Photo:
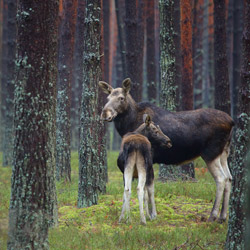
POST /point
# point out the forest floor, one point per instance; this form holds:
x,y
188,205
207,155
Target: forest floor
x,y
182,211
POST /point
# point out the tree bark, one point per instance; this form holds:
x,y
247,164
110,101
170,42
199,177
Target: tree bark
x,y
90,169
77,77
151,62
222,95
33,203
237,213
64,83
132,49
197,52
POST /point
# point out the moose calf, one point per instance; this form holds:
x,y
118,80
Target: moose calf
x,y
135,160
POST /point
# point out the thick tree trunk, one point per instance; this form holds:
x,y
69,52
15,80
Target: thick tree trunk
x,y
132,49
168,92
237,213
90,169
151,62
33,203
222,95
64,83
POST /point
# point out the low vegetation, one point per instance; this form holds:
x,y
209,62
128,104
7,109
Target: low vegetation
x,y
182,207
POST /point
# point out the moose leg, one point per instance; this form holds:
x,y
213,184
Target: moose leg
x,y
152,199
128,174
220,177
141,185
146,202
226,195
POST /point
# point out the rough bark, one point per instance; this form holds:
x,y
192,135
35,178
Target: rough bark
x,y
77,77
151,62
121,34
237,211
90,169
222,95
33,203
64,83
168,92
132,49
197,52
237,31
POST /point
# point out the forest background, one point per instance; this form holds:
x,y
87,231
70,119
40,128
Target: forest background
x,y
181,55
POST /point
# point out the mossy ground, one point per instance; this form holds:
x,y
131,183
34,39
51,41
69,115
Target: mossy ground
x,y
182,210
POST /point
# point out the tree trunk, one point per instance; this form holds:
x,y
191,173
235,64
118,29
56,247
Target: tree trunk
x,y
222,95
237,31
64,82
33,203
197,52
237,214
77,77
8,101
121,34
132,49
151,62
168,92
90,169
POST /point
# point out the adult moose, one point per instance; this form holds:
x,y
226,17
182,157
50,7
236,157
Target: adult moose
x,y
202,132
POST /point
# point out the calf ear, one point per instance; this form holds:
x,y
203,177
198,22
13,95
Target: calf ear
x,y
126,85
146,119
106,88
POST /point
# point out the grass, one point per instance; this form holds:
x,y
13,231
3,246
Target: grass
x,y
182,209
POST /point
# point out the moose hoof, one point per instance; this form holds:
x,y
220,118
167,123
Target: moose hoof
x,y
222,220
153,216
212,218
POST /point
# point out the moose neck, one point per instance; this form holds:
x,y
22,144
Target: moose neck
x,y
127,121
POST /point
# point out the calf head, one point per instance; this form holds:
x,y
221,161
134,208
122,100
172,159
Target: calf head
x,y
117,99
153,132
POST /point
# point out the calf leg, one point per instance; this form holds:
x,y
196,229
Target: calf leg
x,y
128,175
220,177
141,185
146,202
226,195
151,195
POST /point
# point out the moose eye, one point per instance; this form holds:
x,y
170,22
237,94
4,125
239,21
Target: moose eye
x,y
121,98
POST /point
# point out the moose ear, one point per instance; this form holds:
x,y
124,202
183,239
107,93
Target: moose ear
x,y
126,85
147,119
106,88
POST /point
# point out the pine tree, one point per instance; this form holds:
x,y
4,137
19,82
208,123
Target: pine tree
x,y
33,203
64,83
222,95
91,172
237,213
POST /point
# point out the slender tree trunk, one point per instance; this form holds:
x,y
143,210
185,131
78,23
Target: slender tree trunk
x,y
197,52
8,133
237,213
187,71
64,83
132,49
140,44
151,62
4,61
121,34
90,169
78,76
33,203
222,95
205,49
